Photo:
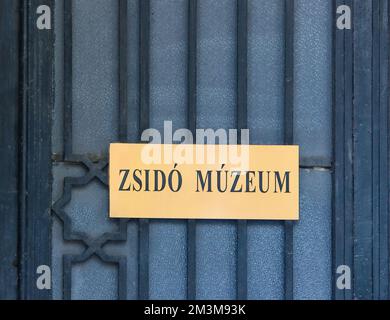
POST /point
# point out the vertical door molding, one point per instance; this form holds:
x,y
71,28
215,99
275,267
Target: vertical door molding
x,y
9,113
35,168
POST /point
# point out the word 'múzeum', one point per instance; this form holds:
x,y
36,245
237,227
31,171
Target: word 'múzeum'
x,y
142,180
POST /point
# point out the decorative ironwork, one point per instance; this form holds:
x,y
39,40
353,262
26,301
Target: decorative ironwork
x,y
96,169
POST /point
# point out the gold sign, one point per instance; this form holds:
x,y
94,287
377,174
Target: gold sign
x,y
204,181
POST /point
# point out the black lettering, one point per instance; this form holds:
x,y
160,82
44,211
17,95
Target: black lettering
x,y
157,186
249,181
261,182
203,181
219,172
137,180
147,180
179,180
237,175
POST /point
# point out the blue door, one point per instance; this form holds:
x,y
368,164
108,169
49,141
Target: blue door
x,y
280,68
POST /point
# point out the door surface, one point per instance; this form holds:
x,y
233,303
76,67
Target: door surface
x,y
109,69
